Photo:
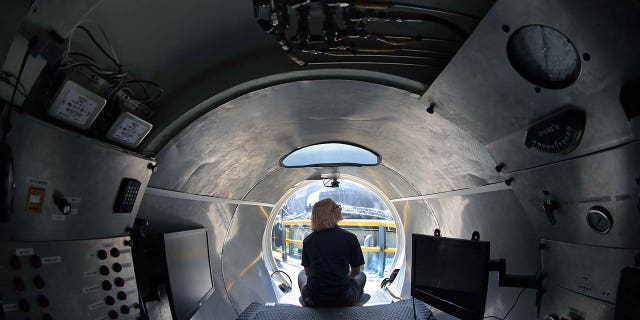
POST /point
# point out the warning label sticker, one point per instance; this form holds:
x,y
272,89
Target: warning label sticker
x,y
129,131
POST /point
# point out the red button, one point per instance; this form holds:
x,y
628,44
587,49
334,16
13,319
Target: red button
x,y
38,282
15,263
102,254
117,267
109,300
24,305
43,301
106,285
115,252
113,314
122,295
104,270
125,309
19,284
119,282
36,262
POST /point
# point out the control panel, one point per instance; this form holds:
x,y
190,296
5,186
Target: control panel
x,y
83,279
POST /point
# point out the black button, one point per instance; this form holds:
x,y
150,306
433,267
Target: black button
x,y
104,270
19,284
15,263
113,314
119,282
38,282
43,301
106,285
117,267
122,295
109,300
24,305
125,309
115,252
36,262
102,254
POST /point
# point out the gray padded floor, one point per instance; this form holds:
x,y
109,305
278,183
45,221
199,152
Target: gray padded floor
x,y
397,310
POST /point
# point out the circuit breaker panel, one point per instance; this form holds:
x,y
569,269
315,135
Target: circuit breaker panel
x,y
83,279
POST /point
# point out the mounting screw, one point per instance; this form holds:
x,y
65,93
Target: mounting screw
x,y
499,167
152,166
508,182
432,107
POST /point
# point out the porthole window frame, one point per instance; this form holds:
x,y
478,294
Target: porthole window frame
x,y
337,164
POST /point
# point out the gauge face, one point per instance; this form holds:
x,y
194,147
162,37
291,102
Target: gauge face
x,y
599,219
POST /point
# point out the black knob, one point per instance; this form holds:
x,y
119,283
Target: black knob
x,y
24,305
19,284
106,285
117,267
102,254
125,309
115,252
15,263
38,282
119,282
62,203
36,262
113,314
43,301
109,300
104,270
122,295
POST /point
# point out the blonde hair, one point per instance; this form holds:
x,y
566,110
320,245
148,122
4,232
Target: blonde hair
x,y
322,216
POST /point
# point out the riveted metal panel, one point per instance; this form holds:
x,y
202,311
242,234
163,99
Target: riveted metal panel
x,y
88,173
606,179
484,95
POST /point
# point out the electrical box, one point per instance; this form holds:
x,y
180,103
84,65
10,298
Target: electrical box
x,y
129,130
76,105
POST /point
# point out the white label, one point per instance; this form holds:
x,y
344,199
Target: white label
x,y
130,131
50,260
9,307
126,265
76,107
88,274
37,182
96,305
24,252
73,212
74,200
91,289
102,318
107,245
58,217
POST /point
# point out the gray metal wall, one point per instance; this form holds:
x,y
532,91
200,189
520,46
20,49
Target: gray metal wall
x,y
481,93
90,172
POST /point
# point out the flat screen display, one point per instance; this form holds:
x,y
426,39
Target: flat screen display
x,y
450,274
189,271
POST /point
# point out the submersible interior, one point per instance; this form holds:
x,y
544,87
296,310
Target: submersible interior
x,y
129,127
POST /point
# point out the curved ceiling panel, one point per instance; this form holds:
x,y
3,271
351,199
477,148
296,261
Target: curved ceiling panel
x,y
233,147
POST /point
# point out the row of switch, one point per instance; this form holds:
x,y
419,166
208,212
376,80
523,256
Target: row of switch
x,y
106,285
16,263
104,270
20,284
24,305
102,254
113,314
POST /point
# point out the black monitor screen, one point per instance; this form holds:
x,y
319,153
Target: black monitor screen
x,y
189,272
450,274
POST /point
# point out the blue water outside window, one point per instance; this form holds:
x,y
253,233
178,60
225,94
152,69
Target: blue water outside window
x,y
330,154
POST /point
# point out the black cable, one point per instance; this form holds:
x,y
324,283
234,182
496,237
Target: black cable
x,y
413,301
511,309
99,46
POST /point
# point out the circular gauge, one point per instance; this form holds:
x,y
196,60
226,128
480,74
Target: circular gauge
x,y
599,219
